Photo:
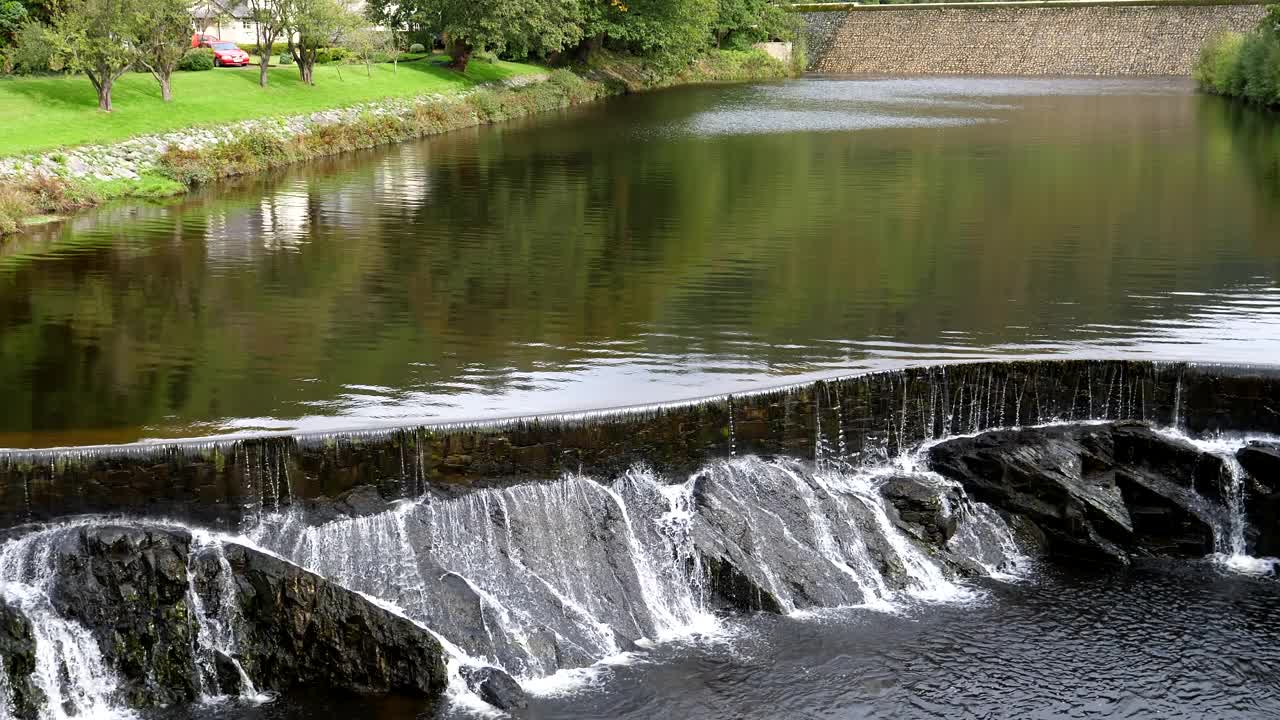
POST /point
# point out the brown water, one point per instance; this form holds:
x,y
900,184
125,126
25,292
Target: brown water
x,y
658,248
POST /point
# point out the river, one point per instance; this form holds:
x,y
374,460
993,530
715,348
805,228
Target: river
x,y
657,248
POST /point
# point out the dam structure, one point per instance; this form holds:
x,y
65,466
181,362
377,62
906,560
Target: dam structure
x,y
1064,37
860,420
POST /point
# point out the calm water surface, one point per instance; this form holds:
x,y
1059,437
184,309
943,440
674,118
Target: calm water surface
x,y
658,248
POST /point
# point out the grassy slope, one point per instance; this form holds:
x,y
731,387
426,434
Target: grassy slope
x,y
49,112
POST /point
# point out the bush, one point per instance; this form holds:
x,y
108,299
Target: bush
x,y
34,51
196,60
332,55
417,49
1245,66
286,59
279,48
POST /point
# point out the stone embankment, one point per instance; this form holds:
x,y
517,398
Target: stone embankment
x,y
1057,38
136,156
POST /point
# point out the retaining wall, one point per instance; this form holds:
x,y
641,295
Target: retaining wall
x,y
1052,38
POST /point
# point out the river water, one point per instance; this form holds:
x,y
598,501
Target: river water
x,y
1158,641
664,247
657,248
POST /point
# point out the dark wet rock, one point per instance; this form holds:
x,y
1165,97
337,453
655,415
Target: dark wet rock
x,y
360,501
128,586
18,659
1094,491
922,508
227,673
458,607
299,630
1261,462
735,590
1148,454
496,688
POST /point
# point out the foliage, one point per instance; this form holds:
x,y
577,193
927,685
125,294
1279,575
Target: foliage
x,y
35,50
369,44
159,37
95,37
741,23
13,15
196,59
333,54
314,26
40,195
669,34
1245,66
417,48
271,20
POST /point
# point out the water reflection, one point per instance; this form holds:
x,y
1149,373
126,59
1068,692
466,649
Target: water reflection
x,y
658,248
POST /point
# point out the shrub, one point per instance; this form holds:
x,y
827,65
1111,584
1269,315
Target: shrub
x,y
1245,66
279,48
417,49
196,59
15,206
40,195
286,59
34,51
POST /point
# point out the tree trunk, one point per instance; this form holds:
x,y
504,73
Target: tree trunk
x,y
166,86
104,92
588,46
460,54
263,62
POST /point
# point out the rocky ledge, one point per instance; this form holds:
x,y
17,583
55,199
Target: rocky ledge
x,y
174,619
1120,491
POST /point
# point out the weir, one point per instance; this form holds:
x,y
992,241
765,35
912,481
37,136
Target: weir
x,y
1062,37
542,549
858,420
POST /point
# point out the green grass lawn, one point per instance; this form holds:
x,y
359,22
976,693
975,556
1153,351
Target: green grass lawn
x,y
42,113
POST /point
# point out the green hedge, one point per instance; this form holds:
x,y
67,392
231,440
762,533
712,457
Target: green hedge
x,y
196,59
1244,65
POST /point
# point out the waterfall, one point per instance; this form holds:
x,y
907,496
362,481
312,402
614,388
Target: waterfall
x,y
1231,547
70,669
541,578
217,635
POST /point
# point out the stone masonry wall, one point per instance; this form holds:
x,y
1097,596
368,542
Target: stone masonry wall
x,y
1086,40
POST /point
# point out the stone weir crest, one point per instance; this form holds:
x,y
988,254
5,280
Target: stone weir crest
x,y
1058,37
860,420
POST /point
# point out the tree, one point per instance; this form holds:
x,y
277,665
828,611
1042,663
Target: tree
x,y
312,25
95,37
671,32
366,42
516,26
271,18
13,15
740,23
160,37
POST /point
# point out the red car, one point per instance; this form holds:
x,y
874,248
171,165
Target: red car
x,y
227,54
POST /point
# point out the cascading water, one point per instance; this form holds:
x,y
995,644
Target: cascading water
x,y
70,670
216,632
539,578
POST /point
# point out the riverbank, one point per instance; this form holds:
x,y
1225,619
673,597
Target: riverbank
x,y
1244,66
55,183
